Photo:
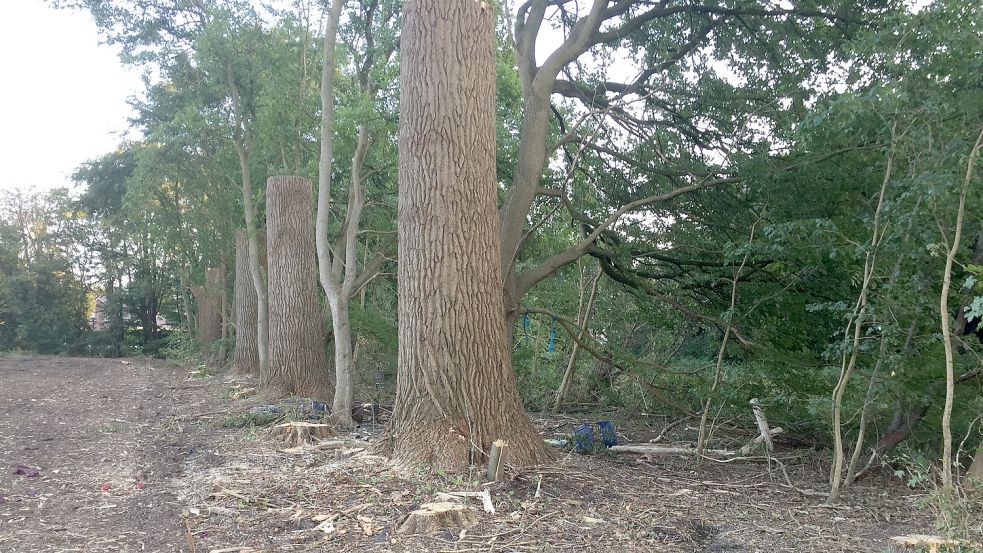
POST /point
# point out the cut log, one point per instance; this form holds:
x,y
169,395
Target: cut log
x,y
434,516
299,433
655,449
757,440
929,544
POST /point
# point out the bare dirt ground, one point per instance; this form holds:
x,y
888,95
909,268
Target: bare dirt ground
x,y
137,455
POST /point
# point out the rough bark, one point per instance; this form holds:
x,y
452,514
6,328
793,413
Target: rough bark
x,y
214,292
209,298
297,361
456,392
245,355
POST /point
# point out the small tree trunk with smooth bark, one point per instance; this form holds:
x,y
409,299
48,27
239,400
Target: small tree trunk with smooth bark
x,y
950,382
297,361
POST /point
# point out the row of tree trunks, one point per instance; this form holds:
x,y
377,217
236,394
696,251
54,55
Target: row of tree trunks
x,y
455,384
297,361
245,355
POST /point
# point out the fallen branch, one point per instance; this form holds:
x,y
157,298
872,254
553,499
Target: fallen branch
x,y
758,439
654,449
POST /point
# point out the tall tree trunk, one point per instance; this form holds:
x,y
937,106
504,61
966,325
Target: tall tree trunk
x,y
851,351
210,314
330,264
242,140
583,321
950,381
189,321
456,391
297,362
851,470
245,355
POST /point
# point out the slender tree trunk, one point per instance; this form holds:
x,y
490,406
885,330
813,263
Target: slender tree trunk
x,y
456,391
298,364
189,321
561,392
909,338
950,384
857,322
329,263
718,367
851,470
242,143
245,356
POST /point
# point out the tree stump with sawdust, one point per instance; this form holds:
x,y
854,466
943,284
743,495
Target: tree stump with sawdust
x,y
298,433
434,516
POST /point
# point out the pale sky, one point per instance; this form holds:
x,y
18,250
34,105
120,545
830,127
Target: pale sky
x,y
63,98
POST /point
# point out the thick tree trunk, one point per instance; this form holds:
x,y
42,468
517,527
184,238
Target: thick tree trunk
x,y
245,356
297,361
214,291
209,314
456,392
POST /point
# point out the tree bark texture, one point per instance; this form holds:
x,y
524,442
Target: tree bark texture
x,y
298,364
456,393
209,298
245,356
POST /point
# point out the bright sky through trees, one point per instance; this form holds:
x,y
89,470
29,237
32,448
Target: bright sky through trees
x,y
64,95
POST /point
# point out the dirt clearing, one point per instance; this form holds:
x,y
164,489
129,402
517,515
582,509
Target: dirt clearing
x,y
136,455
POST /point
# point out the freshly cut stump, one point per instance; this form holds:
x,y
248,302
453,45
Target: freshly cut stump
x,y
299,433
434,516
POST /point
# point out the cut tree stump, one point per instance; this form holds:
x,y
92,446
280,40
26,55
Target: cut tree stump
x,y
929,544
496,460
434,516
300,433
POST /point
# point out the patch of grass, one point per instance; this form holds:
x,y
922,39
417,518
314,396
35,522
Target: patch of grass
x,y
958,516
248,420
240,391
202,371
